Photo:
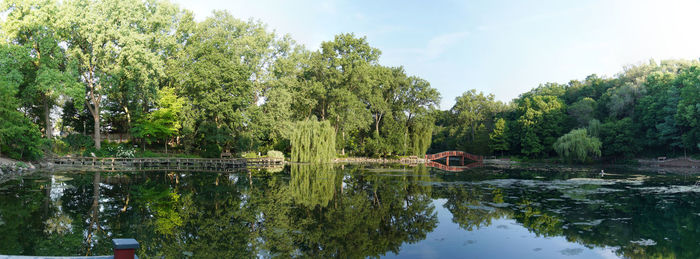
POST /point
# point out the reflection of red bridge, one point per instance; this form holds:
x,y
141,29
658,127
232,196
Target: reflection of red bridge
x,y
453,168
447,154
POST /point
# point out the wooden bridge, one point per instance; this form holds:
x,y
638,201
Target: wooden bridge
x,y
166,163
430,161
447,154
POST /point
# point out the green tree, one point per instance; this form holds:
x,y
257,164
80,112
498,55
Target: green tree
x,y
583,111
618,138
213,74
540,120
688,111
49,74
108,38
19,137
313,141
163,123
498,139
578,145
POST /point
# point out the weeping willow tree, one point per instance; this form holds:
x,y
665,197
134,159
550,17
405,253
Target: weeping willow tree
x,y
313,184
577,145
313,141
420,139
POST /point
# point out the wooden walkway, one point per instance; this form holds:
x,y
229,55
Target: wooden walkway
x,y
165,163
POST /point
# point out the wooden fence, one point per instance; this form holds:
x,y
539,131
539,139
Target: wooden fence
x,y
165,163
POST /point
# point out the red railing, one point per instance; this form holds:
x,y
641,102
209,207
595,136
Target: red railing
x,y
461,154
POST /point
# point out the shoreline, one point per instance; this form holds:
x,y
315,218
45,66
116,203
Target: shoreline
x,y
11,167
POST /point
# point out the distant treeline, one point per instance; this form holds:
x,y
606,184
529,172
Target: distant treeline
x,y
149,69
646,110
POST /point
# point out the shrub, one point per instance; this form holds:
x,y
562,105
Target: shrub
x,y
111,150
275,154
211,150
60,147
79,141
250,154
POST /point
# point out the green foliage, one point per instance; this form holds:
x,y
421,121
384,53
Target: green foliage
x,y
594,128
313,185
541,119
19,137
313,141
275,154
498,139
78,141
111,150
583,111
151,70
211,150
618,138
250,155
577,145
468,124
421,138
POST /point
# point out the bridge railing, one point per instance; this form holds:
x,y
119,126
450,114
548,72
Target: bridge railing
x,y
454,154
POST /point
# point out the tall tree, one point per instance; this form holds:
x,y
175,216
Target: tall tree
x,y
213,74
19,137
498,140
49,75
108,38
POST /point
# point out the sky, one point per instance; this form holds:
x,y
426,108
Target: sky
x,y
501,47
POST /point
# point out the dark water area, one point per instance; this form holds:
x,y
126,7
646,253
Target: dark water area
x,y
355,211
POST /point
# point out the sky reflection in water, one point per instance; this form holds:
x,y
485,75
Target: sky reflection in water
x,y
355,211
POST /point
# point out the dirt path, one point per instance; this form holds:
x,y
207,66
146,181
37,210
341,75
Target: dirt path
x,y
673,162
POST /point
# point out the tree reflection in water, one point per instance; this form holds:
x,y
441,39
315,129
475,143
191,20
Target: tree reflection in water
x,y
331,211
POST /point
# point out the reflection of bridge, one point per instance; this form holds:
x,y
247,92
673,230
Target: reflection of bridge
x,y
453,168
447,154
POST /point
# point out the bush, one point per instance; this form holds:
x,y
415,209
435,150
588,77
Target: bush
x,y
249,154
111,150
60,147
79,141
211,150
122,151
275,154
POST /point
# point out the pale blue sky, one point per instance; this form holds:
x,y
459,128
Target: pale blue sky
x,y
500,47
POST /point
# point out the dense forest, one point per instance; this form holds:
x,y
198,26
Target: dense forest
x,y
74,72
646,110
148,69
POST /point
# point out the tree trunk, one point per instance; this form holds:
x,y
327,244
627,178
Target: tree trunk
x,y
96,118
376,125
47,117
343,149
128,117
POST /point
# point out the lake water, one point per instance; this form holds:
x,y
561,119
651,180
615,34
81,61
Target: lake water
x,y
356,211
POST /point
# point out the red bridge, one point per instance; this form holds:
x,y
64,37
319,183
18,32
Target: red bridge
x,y
447,154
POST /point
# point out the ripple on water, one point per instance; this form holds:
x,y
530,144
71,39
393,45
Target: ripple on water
x,y
590,223
670,189
644,242
571,251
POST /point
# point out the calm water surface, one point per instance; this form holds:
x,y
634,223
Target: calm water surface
x,y
355,211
